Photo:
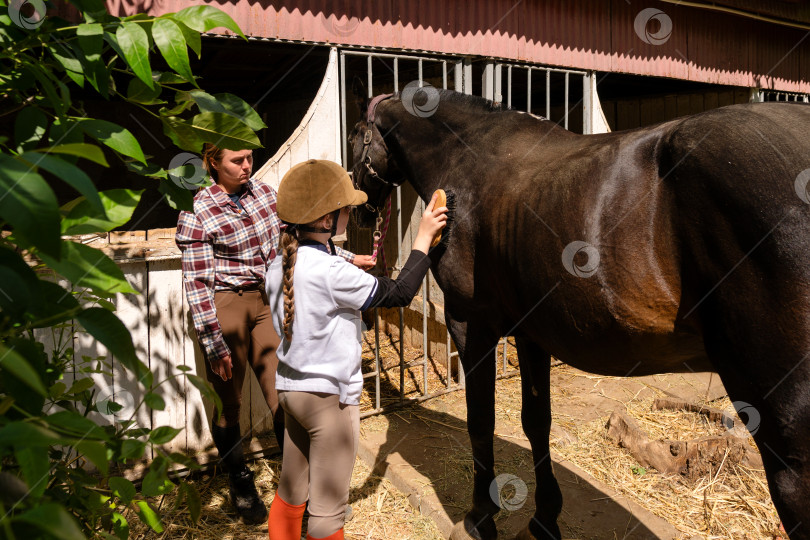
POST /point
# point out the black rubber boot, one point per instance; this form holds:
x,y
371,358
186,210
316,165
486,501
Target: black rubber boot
x,y
244,497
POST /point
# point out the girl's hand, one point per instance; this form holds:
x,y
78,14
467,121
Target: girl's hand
x,y
433,221
364,262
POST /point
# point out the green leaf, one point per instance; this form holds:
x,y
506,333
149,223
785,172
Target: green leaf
x,y
83,150
225,131
67,172
85,266
56,305
116,137
80,385
640,471
118,206
65,55
138,92
148,516
46,84
108,329
193,38
204,18
163,434
167,77
6,404
14,294
88,53
154,401
73,424
29,128
132,449
153,171
182,134
35,466
172,44
156,483
134,43
192,501
53,519
57,390
177,197
241,109
96,452
17,365
11,434
63,132
122,488
29,205
120,526
228,104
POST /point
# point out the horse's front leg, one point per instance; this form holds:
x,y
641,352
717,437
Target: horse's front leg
x,y
536,419
475,344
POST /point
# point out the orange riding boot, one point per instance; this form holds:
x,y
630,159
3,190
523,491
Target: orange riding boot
x,y
285,520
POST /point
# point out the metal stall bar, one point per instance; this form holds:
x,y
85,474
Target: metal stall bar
x,y
529,90
509,86
548,94
566,101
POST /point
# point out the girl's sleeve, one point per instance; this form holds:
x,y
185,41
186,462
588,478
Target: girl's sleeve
x,y
349,286
400,291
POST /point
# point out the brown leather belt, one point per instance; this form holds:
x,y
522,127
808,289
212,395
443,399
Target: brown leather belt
x,y
247,288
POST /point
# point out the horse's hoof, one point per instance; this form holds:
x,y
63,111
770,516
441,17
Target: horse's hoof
x,y
459,532
525,534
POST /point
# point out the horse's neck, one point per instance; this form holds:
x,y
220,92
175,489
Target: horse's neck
x,y
426,145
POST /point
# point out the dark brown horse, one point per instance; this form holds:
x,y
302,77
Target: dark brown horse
x,y
683,246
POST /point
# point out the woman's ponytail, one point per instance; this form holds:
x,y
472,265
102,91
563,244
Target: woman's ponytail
x,y
289,251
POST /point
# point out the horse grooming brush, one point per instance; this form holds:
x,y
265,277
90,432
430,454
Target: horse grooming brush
x,y
448,199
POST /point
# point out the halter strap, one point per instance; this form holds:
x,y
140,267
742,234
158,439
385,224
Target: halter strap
x,y
371,116
371,111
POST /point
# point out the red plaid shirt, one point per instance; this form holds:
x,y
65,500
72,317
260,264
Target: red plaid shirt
x,y
224,248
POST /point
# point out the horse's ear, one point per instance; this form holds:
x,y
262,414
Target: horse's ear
x,y
360,94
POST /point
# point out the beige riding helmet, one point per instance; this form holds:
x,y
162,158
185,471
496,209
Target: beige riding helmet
x,y
313,189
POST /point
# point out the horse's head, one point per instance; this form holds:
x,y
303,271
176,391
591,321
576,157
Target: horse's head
x,y
375,172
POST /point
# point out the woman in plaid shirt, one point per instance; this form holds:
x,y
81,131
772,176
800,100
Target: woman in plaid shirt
x,y
226,244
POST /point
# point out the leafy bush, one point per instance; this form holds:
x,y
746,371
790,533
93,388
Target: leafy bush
x,y
58,465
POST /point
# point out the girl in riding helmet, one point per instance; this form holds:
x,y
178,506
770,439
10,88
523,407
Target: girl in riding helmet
x,y
316,300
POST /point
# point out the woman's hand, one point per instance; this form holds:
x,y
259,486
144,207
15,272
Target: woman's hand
x,y
222,367
433,221
364,262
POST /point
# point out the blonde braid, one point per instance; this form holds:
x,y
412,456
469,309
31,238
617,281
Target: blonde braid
x,y
289,250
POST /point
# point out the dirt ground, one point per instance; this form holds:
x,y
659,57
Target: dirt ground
x,y
607,494
413,477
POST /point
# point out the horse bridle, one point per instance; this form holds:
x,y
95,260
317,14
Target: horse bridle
x,y
371,116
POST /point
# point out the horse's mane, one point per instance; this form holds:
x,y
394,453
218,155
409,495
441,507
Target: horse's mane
x,y
474,103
